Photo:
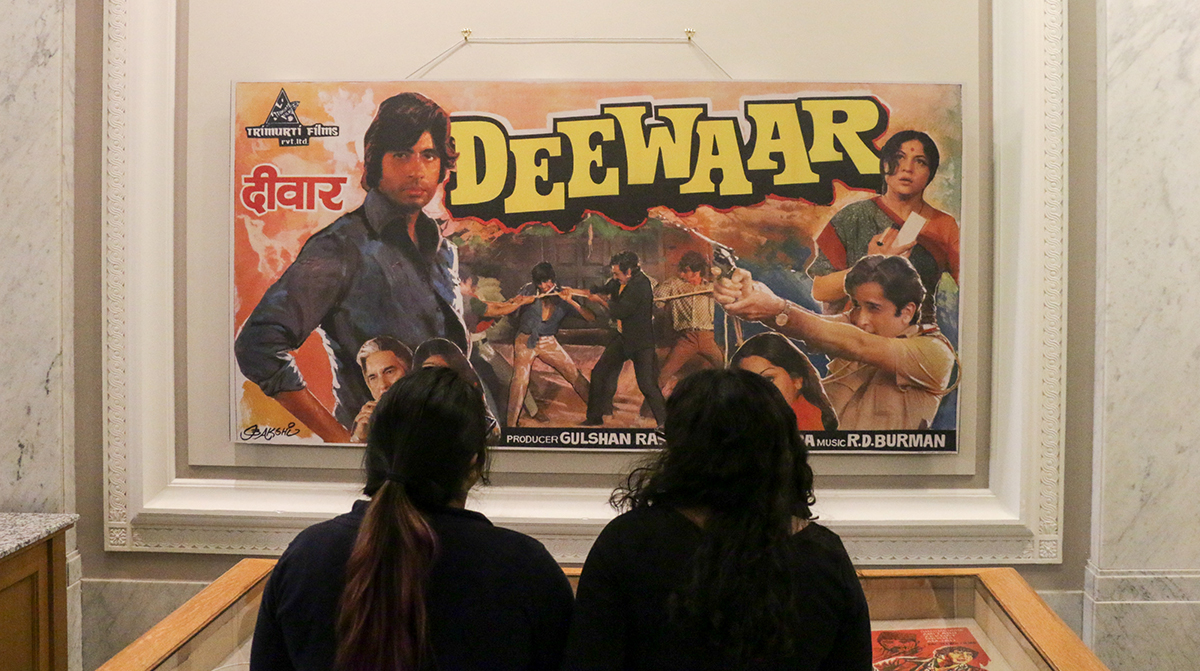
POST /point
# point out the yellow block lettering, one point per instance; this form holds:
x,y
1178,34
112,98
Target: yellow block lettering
x,y
532,168
670,142
470,188
719,148
777,130
861,115
579,134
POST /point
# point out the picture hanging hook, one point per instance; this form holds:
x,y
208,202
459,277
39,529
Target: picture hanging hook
x,y
466,33
690,33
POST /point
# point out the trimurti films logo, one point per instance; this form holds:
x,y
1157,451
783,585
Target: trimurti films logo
x,y
283,125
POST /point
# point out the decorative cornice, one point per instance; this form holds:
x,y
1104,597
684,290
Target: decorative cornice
x,y
212,540
884,551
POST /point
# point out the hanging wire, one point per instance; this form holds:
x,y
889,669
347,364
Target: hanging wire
x,y
689,34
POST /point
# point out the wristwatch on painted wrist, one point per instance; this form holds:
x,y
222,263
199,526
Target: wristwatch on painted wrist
x,y
781,319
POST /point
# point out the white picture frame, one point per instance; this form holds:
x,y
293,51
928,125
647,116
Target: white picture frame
x,y
1016,518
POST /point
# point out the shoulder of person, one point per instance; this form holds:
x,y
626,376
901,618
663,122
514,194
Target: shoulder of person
x,y
352,224
345,524
941,225
316,547
930,339
867,207
520,553
822,537
645,524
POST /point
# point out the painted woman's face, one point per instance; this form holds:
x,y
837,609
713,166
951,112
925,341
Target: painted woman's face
x,y
790,388
911,175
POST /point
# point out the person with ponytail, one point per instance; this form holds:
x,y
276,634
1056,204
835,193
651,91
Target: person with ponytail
x,y
717,563
410,580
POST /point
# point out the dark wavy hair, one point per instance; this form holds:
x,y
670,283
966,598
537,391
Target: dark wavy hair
x,y
426,443
781,352
889,156
399,123
451,353
897,277
733,451
695,262
626,261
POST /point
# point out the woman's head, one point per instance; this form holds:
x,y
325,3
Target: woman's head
x,y
428,433
441,353
775,358
909,161
732,447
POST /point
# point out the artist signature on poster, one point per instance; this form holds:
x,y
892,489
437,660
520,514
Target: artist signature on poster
x,y
254,432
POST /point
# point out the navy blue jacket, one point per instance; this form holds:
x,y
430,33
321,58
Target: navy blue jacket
x,y
496,599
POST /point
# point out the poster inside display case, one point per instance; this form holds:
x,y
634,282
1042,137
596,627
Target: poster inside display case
x,y
558,243
986,619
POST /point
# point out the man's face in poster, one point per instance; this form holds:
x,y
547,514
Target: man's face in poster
x,y
692,277
409,178
621,275
874,313
545,286
960,657
381,370
895,646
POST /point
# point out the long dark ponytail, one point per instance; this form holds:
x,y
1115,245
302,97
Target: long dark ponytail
x,y
734,452
427,436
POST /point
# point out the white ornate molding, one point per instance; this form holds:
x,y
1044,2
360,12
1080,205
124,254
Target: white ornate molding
x,y
116,401
1054,276
1015,519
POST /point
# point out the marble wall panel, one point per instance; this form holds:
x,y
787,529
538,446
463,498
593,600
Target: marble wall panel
x,y
1142,590
1140,636
32,476
1148,352
117,612
74,612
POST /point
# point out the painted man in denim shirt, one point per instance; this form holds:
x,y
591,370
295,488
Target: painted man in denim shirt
x,y
383,269
537,326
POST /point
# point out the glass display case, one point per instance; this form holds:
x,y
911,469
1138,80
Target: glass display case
x,y
971,619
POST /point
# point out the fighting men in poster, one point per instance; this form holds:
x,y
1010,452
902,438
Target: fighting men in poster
x,y
631,306
618,212
688,300
889,370
538,325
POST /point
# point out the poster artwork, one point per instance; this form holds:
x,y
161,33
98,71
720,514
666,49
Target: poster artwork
x,y
558,243
930,649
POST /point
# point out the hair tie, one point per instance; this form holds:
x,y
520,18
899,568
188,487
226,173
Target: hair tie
x,y
395,477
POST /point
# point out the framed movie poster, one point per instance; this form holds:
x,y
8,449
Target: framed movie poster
x,y
558,243
232,147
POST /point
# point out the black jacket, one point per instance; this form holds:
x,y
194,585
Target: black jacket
x,y
496,599
635,308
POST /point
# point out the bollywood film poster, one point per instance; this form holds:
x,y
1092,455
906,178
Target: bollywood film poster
x,y
930,649
558,244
